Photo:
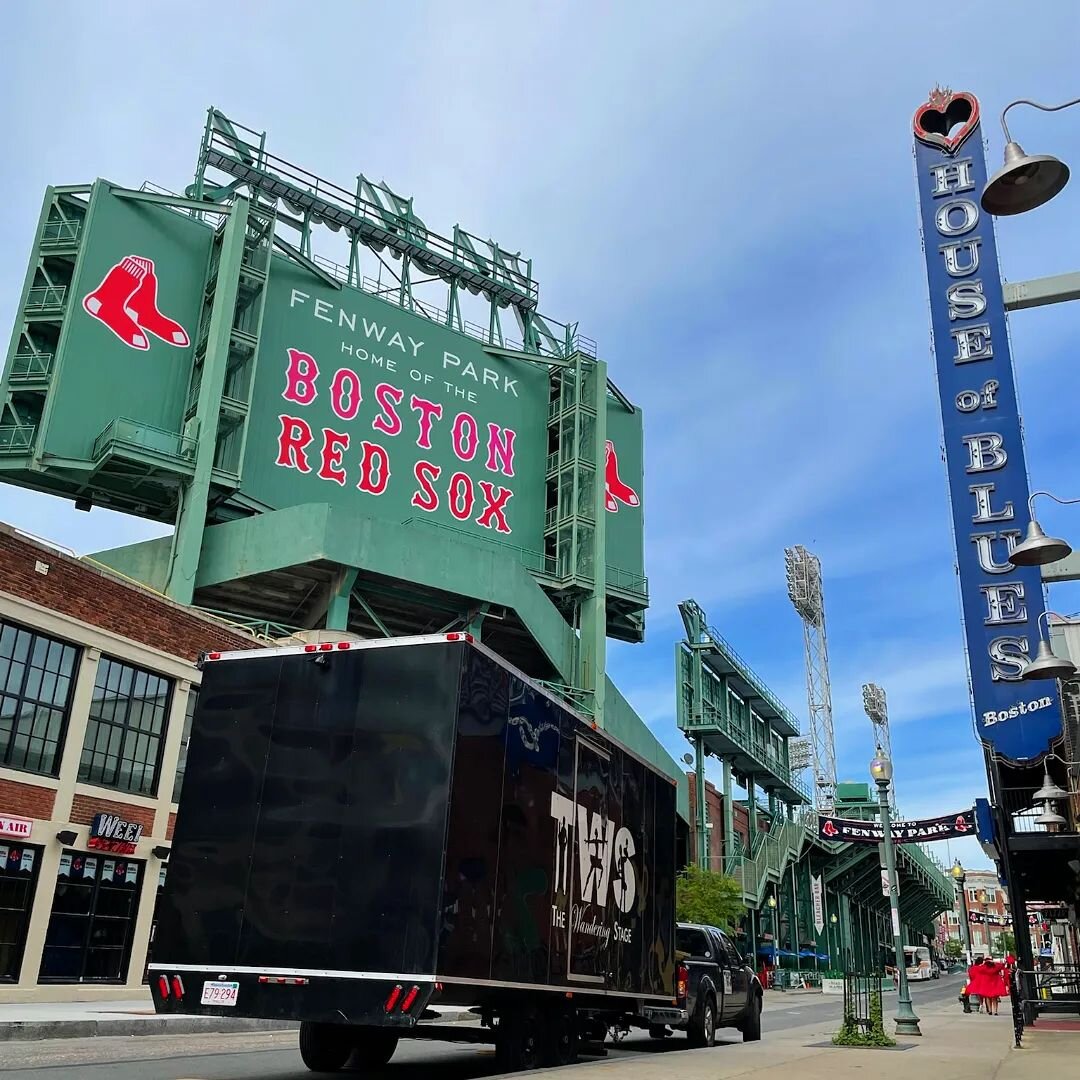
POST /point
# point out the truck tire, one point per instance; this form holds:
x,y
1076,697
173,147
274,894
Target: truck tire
x,y
751,1024
519,1040
373,1047
561,1043
701,1031
325,1047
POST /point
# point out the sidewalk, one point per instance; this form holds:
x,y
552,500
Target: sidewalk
x,y
85,1019
953,1047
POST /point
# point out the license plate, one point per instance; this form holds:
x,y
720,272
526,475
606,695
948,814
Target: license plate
x,y
219,993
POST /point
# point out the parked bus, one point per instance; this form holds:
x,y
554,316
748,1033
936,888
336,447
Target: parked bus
x,y
918,962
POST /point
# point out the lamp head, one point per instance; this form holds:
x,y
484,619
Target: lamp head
x,y
1023,182
1049,791
881,768
833,919
1049,817
1048,666
772,901
958,872
1038,549
688,759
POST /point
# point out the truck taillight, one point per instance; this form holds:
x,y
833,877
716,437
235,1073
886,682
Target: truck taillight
x,y
282,980
392,999
177,988
460,637
311,648
163,987
410,999
213,656
682,982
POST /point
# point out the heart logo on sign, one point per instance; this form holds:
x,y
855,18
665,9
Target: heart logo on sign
x,y
946,119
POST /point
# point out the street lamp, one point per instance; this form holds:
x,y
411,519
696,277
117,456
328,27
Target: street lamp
x,y
1038,549
834,950
1046,665
960,877
907,1023
1024,181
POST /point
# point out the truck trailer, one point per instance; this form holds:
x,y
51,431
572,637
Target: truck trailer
x,y
371,830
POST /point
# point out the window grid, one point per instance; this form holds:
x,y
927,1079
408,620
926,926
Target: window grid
x,y
185,738
37,676
124,735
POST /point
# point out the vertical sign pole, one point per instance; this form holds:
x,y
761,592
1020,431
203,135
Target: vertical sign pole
x,y
702,828
194,496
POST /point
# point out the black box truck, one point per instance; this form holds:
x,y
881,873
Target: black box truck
x,y
371,829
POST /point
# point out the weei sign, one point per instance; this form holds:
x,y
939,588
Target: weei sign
x,y
984,451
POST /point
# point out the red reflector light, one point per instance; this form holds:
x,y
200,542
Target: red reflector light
x,y
392,1000
410,997
326,646
460,637
342,644
438,988
311,648
682,981
282,980
177,988
213,656
163,987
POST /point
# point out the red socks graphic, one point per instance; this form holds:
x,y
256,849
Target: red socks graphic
x,y
615,491
126,302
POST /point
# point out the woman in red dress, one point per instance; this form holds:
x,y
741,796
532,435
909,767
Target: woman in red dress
x,y
988,984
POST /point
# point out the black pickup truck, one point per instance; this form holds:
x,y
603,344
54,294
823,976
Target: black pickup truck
x,y
715,988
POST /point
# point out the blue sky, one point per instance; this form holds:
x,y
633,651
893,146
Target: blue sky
x,y
723,195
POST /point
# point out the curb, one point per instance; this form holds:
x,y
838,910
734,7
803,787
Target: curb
x,y
37,1030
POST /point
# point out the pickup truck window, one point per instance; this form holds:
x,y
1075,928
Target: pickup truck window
x,y
693,942
732,954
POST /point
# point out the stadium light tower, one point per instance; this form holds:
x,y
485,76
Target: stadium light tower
x,y
803,570
877,709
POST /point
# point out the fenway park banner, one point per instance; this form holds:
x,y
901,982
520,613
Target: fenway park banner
x,y
854,831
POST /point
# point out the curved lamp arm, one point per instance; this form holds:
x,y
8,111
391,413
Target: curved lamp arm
x,y
1049,495
1034,105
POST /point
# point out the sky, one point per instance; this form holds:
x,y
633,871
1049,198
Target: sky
x,y
723,196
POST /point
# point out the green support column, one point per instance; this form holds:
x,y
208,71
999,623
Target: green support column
x,y
191,513
592,648
476,621
702,829
729,814
751,811
337,611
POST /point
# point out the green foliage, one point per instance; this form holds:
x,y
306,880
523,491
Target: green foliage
x,y
953,949
1003,943
852,1033
704,896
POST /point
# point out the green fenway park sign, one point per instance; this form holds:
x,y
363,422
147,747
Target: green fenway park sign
x,y
358,402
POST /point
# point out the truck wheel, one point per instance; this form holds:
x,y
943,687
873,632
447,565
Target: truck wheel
x,y
751,1025
702,1029
562,1038
374,1047
325,1047
519,1040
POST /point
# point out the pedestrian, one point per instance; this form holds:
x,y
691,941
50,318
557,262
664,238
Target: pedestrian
x,y
988,984
970,991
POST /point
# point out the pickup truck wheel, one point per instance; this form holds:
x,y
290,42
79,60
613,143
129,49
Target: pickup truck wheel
x,y
519,1040
702,1029
373,1047
751,1025
325,1047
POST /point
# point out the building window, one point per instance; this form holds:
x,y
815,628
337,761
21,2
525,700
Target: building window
x,y
128,714
18,871
185,738
92,920
36,678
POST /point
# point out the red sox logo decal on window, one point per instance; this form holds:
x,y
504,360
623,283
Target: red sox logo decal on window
x,y
615,491
126,302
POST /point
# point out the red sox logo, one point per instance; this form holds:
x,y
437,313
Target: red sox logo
x,y
126,302
615,491
934,122
829,829
961,823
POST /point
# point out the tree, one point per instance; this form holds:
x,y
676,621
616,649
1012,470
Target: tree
x,y
1004,943
704,896
953,949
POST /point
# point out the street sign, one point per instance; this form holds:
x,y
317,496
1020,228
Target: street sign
x,y
885,883
817,892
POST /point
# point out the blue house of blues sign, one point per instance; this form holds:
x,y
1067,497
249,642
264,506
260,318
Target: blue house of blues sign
x,y
983,450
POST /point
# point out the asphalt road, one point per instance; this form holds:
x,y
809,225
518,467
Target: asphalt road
x,y
273,1056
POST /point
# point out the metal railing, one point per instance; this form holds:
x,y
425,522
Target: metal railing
x,y
46,298
145,438
27,367
60,233
16,438
262,629
1055,988
1020,806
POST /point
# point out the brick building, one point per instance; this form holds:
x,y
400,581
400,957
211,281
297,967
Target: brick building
x,y
97,679
988,914
714,813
